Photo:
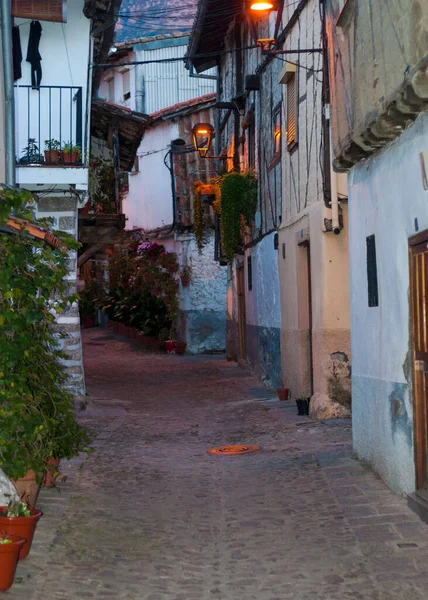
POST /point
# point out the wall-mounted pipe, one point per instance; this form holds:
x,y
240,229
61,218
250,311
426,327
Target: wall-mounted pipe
x,y
9,109
335,223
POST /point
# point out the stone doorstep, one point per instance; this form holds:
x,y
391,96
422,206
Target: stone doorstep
x,y
419,506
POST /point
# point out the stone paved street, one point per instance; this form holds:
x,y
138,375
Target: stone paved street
x,y
150,516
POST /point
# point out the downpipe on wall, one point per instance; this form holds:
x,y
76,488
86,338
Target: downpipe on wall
x,y
9,112
334,198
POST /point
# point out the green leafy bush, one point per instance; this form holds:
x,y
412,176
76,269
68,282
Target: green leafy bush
x,y
36,416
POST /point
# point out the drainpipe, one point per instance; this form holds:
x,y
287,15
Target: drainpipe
x,y
333,184
9,110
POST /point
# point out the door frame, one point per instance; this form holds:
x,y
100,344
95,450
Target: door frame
x,y
419,396
242,312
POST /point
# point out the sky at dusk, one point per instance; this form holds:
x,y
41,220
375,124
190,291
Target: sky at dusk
x,y
154,17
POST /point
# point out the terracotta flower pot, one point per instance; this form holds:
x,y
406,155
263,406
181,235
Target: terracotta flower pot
x,y
283,393
51,473
180,348
70,157
185,280
52,157
22,526
170,346
28,489
9,554
88,322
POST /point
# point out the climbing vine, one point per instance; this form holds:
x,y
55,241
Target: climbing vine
x,y
198,216
236,204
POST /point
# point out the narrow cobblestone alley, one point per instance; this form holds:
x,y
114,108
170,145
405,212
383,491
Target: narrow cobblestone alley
x,y
150,516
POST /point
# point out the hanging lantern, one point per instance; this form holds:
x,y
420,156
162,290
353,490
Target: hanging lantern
x,y
262,6
202,137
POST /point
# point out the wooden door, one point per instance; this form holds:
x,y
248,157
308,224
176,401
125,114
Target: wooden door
x,y
419,323
242,317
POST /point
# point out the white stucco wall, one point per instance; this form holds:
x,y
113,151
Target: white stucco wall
x,y
148,204
387,199
65,49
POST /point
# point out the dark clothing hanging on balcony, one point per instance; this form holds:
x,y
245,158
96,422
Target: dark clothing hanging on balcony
x,y
16,53
33,54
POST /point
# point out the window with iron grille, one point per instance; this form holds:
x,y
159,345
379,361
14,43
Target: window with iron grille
x,y
372,281
292,111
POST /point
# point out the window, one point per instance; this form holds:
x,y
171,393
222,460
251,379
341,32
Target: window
x,y
277,131
249,274
292,111
126,84
372,282
111,90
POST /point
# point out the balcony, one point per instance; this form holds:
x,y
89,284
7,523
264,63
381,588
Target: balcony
x,y
49,135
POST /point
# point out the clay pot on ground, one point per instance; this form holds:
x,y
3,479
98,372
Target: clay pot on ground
x,y
52,157
283,393
28,489
9,554
22,526
170,346
89,321
51,474
185,280
180,347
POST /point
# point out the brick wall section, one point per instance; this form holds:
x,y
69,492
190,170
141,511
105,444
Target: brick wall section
x,y
63,209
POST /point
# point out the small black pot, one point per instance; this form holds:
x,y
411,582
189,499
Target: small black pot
x,y
302,407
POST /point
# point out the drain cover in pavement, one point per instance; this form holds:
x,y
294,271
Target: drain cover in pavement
x,y
225,450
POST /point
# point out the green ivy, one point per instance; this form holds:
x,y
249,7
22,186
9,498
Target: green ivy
x,y
238,204
36,415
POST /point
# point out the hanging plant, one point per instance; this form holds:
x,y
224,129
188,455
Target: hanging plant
x,y
236,206
198,215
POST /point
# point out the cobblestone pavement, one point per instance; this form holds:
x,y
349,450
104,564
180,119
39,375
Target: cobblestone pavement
x,y
150,516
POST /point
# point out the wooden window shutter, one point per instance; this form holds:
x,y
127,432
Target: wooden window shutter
x,y
292,111
40,10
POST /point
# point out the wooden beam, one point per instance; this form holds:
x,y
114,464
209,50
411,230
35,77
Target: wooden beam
x,y
89,253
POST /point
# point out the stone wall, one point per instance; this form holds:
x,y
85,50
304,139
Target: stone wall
x,y
63,209
203,303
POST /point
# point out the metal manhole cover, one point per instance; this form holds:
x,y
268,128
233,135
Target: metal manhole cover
x,y
227,450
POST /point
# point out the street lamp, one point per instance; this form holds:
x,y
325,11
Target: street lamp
x,y
259,9
203,134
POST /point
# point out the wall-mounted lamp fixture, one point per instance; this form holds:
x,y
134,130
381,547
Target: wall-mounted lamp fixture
x,y
260,9
203,134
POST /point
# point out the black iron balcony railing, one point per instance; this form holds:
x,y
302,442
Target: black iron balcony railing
x,y
49,125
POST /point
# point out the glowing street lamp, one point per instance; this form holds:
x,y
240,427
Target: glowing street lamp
x,y
262,6
202,137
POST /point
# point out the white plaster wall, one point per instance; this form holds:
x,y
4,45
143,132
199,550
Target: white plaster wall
x,y
65,50
116,75
263,302
386,197
148,204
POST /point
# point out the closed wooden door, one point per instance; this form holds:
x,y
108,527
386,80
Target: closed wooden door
x,y
419,316
242,317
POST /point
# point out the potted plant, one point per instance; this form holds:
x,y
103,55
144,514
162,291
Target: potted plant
x,y
186,275
52,151
180,347
10,546
283,393
170,346
37,411
303,405
18,518
71,153
31,154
